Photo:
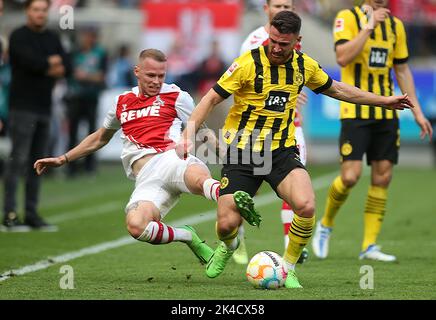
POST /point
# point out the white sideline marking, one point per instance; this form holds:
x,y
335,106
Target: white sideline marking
x,y
318,183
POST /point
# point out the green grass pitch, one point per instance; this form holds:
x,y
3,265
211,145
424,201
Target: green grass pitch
x,y
89,213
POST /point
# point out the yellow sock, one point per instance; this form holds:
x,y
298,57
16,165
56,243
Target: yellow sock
x,y
336,197
374,213
228,239
299,235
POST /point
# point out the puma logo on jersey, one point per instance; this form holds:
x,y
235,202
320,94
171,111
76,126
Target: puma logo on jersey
x,y
152,111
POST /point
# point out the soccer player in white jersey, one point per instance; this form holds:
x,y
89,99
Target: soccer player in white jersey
x,y
151,116
259,37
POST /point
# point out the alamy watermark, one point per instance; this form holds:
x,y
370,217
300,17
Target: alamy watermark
x,y
240,147
66,19
367,279
67,280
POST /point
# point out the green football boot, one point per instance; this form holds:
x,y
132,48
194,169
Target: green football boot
x,y
245,205
292,280
198,246
219,259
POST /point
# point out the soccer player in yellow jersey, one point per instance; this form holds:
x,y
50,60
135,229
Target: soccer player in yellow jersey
x,y
255,39
369,43
259,133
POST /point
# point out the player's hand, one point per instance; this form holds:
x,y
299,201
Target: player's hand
x,y
398,102
41,165
375,16
183,147
301,100
425,125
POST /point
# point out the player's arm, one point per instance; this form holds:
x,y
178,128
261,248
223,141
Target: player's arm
x,y
198,116
347,51
405,81
90,144
345,92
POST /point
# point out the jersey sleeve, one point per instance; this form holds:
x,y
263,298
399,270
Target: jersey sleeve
x,y
111,121
318,80
184,106
401,53
234,78
344,28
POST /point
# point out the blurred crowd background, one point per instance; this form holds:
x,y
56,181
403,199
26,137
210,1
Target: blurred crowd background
x,y
201,38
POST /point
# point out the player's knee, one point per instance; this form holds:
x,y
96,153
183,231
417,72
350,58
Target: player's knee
x,y
305,208
135,230
350,179
227,226
136,226
382,180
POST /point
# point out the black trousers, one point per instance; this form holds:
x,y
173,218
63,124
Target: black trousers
x,y
81,109
29,133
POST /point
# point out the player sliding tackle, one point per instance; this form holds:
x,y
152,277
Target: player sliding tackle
x,y
151,116
266,82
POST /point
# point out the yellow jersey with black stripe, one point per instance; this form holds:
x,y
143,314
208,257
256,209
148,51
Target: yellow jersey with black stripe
x,y
265,97
371,70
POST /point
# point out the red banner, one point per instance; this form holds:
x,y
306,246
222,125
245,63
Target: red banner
x,y
168,14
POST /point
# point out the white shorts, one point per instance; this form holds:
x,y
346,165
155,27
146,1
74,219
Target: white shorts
x,y
161,180
301,144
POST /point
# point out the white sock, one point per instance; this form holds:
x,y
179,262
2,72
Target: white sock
x,y
241,232
289,266
211,188
234,244
183,235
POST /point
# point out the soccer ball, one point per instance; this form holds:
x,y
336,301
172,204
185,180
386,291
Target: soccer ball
x,y
266,270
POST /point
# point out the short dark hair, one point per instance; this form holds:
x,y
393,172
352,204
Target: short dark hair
x,y
154,54
287,22
28,3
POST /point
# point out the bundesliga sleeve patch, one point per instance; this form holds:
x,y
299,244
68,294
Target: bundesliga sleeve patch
x,y
232,68
339,25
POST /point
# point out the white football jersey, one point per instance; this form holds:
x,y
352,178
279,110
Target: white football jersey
x,y
149,124
254,40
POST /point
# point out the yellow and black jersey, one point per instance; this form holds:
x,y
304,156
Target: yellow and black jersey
x,y
371,70
265,97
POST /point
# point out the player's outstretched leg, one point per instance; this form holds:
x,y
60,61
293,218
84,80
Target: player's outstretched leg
x,y
219,260
245,205
198,246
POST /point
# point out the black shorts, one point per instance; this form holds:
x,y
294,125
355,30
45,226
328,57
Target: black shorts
x,y
249,176
379,139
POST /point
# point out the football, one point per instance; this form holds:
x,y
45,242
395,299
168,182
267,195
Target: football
x,y
266,270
